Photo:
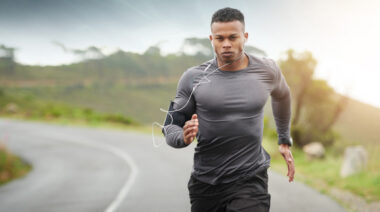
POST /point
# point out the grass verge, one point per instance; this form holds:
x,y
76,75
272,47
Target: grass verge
x,y
11,166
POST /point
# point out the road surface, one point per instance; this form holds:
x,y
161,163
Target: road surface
x,y
83,169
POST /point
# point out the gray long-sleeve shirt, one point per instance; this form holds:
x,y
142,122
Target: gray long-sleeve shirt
x,y
229,105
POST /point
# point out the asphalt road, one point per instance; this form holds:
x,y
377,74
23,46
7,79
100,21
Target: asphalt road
x,y
83,169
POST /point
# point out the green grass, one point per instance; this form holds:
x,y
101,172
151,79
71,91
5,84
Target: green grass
x,y
84,123
11,166
28,107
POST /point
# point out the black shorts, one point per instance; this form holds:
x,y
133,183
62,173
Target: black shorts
x,y
243,195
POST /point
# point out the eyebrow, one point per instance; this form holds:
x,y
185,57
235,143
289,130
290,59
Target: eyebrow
x,y
235,34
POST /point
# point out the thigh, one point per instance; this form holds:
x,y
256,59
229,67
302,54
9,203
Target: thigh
x,y
205,197
251,195
207,205
249,204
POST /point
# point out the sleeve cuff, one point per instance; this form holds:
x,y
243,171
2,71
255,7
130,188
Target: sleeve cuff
x,y
288,141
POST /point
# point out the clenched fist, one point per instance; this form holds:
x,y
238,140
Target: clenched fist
x,y
190,129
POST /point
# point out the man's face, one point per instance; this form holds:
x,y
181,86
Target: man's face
x,y
228,40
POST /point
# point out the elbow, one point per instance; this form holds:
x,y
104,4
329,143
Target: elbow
x,y
177,143
175,139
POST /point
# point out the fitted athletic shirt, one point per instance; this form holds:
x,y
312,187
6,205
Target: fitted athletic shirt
x,y
230,109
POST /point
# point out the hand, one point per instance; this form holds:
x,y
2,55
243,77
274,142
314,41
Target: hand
x,y
287,154
190,129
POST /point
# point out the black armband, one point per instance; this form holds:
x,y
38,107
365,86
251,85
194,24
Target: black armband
x,y
177,117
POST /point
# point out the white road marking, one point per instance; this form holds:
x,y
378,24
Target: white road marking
x,y
124,156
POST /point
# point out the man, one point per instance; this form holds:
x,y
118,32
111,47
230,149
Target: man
x,y
220,102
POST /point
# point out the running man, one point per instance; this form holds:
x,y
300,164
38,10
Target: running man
x,y
221,103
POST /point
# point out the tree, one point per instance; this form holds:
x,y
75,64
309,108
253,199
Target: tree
x,y
316,105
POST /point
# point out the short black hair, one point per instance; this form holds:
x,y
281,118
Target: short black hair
x,y
228,14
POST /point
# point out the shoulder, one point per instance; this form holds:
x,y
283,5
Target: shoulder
x,y
268,64
265,61
192,75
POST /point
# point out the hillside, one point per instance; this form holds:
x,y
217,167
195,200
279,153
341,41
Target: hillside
x,y
138,85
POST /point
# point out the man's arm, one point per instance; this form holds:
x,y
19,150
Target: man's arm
x,y
181,110
281,107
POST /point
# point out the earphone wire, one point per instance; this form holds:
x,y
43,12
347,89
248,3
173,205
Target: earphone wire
x,y
194,88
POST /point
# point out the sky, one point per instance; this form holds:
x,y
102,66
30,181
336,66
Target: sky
x,y
343,35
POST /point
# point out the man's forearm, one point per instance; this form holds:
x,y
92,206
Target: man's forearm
x,y
173,127
281,108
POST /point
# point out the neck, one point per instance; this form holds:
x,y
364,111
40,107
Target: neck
x,y
240,63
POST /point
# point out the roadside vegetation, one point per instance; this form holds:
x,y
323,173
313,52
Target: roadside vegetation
x,y
324,174
28,107
11,166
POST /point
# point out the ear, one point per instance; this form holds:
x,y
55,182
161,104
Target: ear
x,y
210,37
245,37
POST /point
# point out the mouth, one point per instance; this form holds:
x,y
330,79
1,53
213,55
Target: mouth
x,y
227,54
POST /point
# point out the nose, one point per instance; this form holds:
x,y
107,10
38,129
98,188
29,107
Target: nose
x,y
226,44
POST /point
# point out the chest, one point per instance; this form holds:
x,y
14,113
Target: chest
x,y
235,94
